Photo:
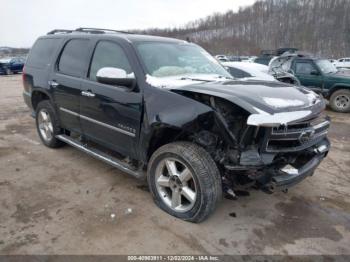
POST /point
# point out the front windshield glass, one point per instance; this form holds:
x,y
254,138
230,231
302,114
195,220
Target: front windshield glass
x,y
178,59
326,66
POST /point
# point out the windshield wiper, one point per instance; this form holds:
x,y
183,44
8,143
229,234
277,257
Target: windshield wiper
x,y
196,79
205,80
229,78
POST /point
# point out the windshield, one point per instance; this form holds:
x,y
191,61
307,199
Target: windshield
x,y
326,66
178,59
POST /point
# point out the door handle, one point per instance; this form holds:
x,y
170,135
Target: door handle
x,y
53,83
87,93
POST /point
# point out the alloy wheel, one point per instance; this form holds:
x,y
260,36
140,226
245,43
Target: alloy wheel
x,y
45,125
176,185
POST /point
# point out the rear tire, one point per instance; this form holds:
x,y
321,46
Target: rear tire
x,y
340,101
8,71
47,124
184,181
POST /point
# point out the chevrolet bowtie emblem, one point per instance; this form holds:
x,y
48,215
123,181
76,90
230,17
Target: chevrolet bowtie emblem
x,y
305,136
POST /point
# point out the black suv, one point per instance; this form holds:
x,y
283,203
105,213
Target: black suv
x,y
166,110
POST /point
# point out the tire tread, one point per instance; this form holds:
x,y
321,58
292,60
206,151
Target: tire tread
x,y
332,100
206,171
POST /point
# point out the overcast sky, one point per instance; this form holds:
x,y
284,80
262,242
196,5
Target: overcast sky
x,y
22,21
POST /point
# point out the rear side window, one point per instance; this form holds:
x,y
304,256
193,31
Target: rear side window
x,y
108,54
73,58
42,51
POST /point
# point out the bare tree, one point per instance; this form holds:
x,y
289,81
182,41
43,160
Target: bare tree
x,y
318,26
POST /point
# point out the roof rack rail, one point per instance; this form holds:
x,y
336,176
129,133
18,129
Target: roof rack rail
x,y
99,30
59,31
90,30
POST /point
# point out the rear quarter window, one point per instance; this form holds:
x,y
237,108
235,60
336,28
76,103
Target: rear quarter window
x,y
73,60
42,51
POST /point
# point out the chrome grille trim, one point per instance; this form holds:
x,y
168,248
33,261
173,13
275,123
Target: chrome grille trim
x,y
289,139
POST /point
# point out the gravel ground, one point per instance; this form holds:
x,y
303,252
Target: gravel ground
x,y
65,202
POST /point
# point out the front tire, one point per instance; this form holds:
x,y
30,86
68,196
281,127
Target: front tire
x,y
47,124
184,181
340,101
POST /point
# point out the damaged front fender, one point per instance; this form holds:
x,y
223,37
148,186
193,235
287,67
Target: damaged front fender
x,y
173,116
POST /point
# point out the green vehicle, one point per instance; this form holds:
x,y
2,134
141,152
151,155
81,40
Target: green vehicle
x,y
319,75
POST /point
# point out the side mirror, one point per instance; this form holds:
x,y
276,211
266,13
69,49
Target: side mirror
x,y
115,76
314,73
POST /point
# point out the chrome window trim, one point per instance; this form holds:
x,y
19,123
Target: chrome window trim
x,y
97,122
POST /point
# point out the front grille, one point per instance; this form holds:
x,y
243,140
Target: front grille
x,y
297,136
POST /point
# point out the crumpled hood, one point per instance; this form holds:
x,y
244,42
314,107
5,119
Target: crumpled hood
x,y
260,96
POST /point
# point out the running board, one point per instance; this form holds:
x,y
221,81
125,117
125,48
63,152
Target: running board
x,y
101,156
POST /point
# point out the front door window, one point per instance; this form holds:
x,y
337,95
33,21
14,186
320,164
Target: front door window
x,y
304,68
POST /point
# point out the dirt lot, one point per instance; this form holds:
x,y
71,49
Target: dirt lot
x,y
61,201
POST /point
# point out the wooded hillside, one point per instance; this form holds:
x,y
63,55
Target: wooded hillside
x,y
318,26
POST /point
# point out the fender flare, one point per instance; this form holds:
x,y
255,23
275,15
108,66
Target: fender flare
x,y
336,87
40,90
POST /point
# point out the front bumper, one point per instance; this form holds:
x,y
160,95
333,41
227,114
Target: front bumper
x,y
289,176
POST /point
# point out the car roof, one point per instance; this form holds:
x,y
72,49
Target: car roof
x,y
124,36
143,38
247,65
6,60
254,69
309,58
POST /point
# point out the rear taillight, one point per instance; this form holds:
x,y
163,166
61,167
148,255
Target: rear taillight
x,y
24,79
23,73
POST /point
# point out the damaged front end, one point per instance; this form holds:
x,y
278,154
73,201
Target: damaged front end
x,y
286,153
268,152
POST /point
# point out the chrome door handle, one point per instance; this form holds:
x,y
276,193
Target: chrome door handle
x,y
87,93
53,83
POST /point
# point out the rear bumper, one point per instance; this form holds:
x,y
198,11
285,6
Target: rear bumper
x,y
285,178
27,97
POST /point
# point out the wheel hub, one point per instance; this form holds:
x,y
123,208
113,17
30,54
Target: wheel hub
x,y
342,101
175,182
